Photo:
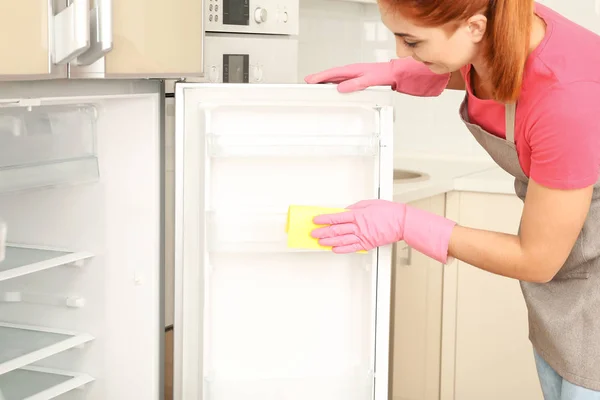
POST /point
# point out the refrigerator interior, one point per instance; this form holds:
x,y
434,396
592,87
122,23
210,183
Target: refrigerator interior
x,y
267,322
80,287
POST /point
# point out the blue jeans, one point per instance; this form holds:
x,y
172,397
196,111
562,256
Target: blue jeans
x,y
556,388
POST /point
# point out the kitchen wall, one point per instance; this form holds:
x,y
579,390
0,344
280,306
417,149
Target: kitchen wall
x,y
337,32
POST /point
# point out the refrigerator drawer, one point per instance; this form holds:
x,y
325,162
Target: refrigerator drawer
x,y
46,145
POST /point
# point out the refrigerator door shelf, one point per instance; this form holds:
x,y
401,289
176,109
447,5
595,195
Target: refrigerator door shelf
x,y
313,145
287,128
37,383
24,260
350,387
46,145
250,231
22,345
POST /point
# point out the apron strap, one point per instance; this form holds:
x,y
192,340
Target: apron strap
x,y
510,110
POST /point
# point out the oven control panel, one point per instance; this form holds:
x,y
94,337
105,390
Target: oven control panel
x,y
252,16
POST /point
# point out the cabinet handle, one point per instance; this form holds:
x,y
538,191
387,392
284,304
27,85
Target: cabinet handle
x,y
101,33
71,32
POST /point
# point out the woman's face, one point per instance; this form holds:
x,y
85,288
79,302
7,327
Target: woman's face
x,y
442,50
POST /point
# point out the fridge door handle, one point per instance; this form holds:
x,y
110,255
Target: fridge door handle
x,y
101,33
71,32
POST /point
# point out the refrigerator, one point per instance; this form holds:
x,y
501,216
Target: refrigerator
x,y
254,319
82,198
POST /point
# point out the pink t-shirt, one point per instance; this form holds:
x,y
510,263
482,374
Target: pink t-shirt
x,y
557,130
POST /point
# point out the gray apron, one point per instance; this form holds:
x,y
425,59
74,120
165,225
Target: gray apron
x,y
564,314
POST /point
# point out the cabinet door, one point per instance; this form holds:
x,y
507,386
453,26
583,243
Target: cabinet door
x,y
150,39
41,37
416,319
493,358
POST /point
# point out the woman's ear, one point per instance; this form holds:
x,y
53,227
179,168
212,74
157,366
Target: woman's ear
x,y
476,26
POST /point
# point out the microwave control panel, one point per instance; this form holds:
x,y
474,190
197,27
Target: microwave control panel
x,y
276,17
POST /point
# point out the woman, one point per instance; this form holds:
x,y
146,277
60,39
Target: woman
x,y
532,81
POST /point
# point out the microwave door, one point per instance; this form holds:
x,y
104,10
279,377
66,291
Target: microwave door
x,y
80,284
253,318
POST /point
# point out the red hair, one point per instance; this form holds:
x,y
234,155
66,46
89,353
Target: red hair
x,y
506,43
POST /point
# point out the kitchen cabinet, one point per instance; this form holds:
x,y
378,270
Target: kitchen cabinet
x,y
150,38
457,332
101,39
40,37
416,319
486,352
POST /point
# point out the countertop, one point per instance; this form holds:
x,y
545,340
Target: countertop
x,y
443,174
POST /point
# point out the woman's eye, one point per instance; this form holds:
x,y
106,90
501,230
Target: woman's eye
x,y
411,44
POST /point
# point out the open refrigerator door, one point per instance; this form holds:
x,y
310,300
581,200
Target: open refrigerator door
x,y
80,196
254,319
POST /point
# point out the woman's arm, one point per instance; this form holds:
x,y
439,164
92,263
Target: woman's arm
x,y
563,134
551,222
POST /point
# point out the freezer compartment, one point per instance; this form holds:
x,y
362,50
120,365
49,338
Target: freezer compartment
x,y
47,145
37,383
21,345
249,231
283,325
24,260
290,129
347,387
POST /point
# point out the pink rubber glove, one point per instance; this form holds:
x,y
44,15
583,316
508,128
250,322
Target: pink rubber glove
x,y
404,75
372,223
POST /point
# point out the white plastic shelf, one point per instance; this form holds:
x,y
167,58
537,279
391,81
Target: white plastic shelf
x,y
36,383
301,388
249,231
22,345
47,145
251,145
24,260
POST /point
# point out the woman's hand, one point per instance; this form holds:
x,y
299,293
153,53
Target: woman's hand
x,y
368,224
355,77
373,223
404,75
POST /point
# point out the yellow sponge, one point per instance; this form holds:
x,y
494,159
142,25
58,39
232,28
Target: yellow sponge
x,y
300,224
